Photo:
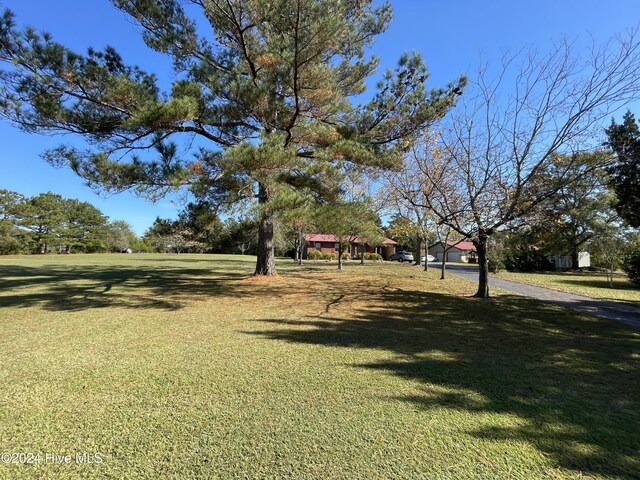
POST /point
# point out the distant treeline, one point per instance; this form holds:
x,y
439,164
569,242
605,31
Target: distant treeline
x,y
199,230
49,223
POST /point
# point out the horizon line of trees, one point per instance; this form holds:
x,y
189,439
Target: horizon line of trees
x,y
49,223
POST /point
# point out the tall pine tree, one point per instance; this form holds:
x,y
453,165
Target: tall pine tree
x,y
267,84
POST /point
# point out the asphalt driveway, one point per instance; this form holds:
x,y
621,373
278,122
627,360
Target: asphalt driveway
x,y
620,312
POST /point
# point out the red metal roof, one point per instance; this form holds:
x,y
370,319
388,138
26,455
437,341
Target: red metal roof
x,y
463,246
459,245
321,237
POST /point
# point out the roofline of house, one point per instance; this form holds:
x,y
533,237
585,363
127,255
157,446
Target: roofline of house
x,y
452,245
308,237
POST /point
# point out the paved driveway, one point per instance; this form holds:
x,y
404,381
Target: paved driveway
x,y
621,312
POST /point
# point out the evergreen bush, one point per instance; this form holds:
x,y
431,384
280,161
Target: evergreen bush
x,y
631,266
314,255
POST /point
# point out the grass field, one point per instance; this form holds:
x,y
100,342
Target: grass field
x,y
181,367
588,284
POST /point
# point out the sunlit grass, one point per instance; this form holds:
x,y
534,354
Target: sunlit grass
x,y
180,367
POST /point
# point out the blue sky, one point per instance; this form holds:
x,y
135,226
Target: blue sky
x,y
449,36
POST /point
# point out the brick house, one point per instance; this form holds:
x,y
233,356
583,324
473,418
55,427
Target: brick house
x,y
329,243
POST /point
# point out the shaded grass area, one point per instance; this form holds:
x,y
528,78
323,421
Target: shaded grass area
x,y
137,281
178,367
588,284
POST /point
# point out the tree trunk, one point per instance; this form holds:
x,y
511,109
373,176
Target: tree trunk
x,y
301,245
483,266
265,263
418,251
443,264
297,250
426,254
361,253
340,257
610,275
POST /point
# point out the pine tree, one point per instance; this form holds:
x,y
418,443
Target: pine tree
x,y
43,216
10,236
84,227
266,84
625,141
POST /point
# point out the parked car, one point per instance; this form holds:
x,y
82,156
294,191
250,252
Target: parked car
x,y
429,258
401,257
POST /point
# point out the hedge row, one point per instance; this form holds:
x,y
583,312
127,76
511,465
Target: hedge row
x,y
317,255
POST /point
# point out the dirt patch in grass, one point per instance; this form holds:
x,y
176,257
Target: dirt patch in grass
x,y
263,278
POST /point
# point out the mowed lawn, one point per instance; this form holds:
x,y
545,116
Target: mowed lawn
x,y
180,367
588,284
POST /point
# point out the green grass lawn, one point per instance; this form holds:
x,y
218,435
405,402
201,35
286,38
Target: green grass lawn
x,y
179,367
589,284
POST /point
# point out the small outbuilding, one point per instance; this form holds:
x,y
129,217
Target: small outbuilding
x,y
564,261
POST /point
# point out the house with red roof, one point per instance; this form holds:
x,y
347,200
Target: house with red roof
x,y
455,251
329,243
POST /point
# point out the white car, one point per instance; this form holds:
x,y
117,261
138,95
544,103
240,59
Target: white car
x,y
402,257
429,258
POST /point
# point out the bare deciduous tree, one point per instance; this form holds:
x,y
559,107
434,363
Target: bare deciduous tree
x,y
404,197
483,167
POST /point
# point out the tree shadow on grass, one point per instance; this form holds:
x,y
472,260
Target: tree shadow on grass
x,y
74,288
571,378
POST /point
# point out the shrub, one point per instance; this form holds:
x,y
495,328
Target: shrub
x,y
527,260
346,256
496,261
329,256
314,255
10,246
376,256
632,267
